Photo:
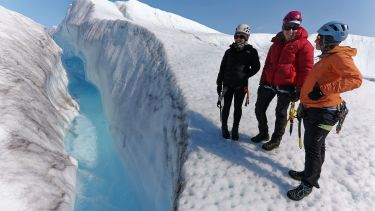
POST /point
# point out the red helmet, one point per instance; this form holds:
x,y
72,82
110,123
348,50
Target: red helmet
x,y
293,17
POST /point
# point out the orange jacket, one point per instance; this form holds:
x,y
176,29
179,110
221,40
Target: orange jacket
x,y
335,73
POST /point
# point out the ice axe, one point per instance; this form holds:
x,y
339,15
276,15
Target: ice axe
x,y
220,99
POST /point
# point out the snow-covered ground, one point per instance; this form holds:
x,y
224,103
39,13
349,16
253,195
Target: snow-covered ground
x,y
35,171
156,72
152,66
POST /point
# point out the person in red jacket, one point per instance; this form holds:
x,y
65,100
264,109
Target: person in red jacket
x,y
322,105
289,60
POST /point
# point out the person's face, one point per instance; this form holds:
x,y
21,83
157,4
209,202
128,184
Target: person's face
x,y
289,30
239,39
318,42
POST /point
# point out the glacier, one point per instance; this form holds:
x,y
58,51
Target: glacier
x,y
101,180
36,172
156,73
132,69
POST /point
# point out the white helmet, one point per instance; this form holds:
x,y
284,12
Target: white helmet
x,y
243,29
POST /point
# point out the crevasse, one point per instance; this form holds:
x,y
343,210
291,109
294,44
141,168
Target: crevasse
x,y
144,106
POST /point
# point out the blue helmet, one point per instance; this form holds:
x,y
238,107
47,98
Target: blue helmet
x,y
337,30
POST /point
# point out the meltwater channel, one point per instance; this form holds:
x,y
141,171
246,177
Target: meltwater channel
x,y
101,180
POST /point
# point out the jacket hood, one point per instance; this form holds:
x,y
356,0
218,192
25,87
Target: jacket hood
x,y
301,33
344,50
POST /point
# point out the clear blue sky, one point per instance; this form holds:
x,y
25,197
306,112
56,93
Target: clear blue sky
x,y
264,16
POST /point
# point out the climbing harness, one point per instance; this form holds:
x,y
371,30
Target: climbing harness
x,y
342,111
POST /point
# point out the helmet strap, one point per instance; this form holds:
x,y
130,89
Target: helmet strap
x,y
327,44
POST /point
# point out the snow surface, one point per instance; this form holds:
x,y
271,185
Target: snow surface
x,y
149,16
157,71
36,172
157,77
157,81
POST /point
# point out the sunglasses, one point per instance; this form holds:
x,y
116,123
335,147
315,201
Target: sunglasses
x,y
287,27
239,37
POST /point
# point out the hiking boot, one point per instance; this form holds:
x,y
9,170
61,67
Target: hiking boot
x,y
225,132
271,145
300,192
235,136
297,175
260,137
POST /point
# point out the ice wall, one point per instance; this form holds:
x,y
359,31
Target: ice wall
x,y
35,171
147,63
143,104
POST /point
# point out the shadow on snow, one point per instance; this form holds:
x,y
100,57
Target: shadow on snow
x,y
204,134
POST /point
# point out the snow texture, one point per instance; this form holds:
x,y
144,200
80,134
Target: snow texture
x,y
36,172
156,72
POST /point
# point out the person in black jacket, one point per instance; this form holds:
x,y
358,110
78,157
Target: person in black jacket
x,y
240,62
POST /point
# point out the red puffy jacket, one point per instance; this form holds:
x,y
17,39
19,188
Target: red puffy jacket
x,y
288,62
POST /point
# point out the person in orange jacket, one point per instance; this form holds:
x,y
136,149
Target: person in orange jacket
x,y
322,105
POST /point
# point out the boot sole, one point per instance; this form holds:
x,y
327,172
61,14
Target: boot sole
x,y
297,199
290,197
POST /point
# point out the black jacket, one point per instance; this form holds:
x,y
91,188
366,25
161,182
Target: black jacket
x,y
238,66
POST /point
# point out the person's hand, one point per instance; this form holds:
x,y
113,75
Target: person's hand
x,y
316,93
294,94
219,89
218,104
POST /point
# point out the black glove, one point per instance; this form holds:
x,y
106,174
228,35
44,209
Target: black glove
x,y
219,89
294,94
218,104
316,93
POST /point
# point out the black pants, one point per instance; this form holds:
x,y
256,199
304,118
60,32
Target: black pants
x,y
317,123
265,96
239,95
